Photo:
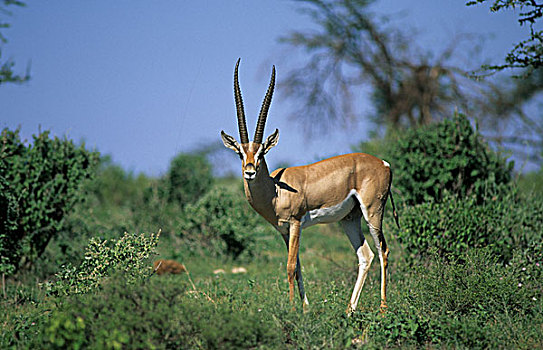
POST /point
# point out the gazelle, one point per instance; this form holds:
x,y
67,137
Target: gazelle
x,y
343,188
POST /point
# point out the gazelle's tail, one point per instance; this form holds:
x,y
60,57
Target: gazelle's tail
x,y
394,213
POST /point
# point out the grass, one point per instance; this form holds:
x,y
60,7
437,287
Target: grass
x,y
472,303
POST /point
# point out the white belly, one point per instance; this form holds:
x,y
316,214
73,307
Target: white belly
x,y
330,214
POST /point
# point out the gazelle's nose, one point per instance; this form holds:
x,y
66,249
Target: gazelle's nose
x,y
249,175
250,172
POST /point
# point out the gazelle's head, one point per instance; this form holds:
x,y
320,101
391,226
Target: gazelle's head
x,y
251,153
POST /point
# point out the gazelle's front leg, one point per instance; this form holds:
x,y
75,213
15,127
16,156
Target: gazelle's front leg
x,y
299,278
293,248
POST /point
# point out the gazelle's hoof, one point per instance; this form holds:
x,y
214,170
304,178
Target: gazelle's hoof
x,y
349,310
383,308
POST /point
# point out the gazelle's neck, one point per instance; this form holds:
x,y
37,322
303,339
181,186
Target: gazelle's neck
x,y
260,192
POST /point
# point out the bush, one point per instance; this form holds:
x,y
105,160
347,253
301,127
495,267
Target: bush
x,y
189,177
506,222
117,201
449,157
128,255
222,223
39,183
115,187
157,314
468,302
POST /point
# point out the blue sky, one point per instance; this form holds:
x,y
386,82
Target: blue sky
x,y
145,80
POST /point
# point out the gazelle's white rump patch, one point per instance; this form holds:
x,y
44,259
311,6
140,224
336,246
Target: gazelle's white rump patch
x,y
330,214
386,163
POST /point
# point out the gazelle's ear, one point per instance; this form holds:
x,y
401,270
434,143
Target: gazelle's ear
x,y
230,142
271,141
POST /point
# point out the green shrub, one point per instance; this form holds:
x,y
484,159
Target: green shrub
x,y
446,157
114,187
8,224
222,223
531,182
505,222
474,284
471,301
40,183
157,314
117,201
527,264
189,177
128,255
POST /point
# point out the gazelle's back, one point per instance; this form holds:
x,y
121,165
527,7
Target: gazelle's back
x,y
330,181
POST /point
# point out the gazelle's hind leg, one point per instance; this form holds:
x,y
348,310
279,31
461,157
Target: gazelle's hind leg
x,y
375,221
351,226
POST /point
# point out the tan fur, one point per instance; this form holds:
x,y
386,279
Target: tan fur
x,y
286,195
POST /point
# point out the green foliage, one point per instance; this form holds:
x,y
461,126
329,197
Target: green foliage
x,y
475,284
40,183
117,201
7,75
458,296
120,201
460,303
527,264
157,314
189,177
528,52
532,182
8,223
446,157
457,193
222,223
468,302
505,222
114,187
128,255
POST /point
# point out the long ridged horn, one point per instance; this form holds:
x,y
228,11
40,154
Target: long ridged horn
x,y
259,132
242,123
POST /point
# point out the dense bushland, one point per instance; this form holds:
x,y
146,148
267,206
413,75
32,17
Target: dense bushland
x,y
127,256
157,314
222,223
189,177
447,158
39,184
505,222
466,269
457,193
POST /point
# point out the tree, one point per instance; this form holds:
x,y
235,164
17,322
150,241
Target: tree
x,y
511,114
7,75
529,52
353,47
350,49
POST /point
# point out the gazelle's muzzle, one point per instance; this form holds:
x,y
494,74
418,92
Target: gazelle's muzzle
x,y
249,172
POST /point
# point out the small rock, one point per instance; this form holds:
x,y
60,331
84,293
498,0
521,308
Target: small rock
x,y
239,270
